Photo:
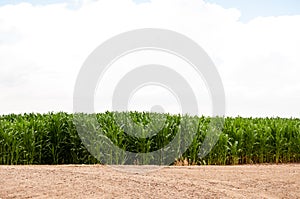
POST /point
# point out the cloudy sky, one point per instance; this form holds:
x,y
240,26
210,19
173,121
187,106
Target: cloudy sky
x,y
255,46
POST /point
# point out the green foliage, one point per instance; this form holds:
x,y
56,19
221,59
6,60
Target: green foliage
x,y
53,139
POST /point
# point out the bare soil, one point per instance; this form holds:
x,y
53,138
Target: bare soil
x,y
96,181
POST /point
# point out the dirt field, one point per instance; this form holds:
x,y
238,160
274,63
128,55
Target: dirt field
x,y
74,181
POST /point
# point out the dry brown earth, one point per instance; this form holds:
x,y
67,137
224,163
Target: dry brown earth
x,y
95,181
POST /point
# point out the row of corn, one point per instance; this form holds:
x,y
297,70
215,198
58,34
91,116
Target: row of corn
x,y
61,138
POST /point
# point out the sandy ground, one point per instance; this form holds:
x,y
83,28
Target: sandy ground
x,y
95,181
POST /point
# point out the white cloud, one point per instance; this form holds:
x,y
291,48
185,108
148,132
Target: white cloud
x,y
43,47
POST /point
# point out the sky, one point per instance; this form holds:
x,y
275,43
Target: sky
x,y
249,9
255,46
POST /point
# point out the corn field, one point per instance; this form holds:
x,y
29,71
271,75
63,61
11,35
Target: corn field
x,y
52,138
